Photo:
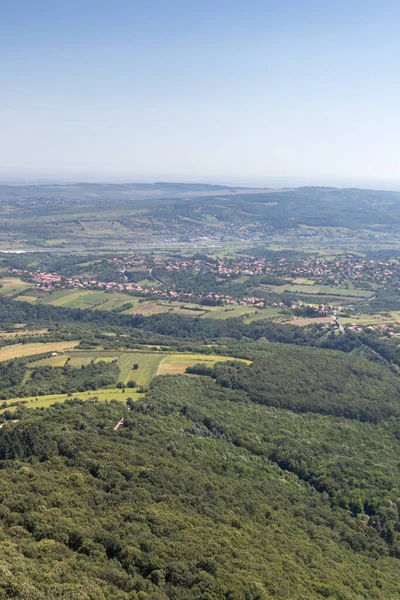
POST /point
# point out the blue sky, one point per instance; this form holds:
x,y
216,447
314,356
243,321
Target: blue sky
x,y
256,92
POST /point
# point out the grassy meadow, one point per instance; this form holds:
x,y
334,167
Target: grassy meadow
x,y
101,395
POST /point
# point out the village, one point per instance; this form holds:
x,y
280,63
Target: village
x,y
160,278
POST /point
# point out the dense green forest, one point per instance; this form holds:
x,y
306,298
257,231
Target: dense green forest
x,y
305,379
201,495
276,478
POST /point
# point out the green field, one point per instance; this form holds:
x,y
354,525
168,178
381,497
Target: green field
x,y
99,300
23,298
103,300
12,285
176,364
273,314
149,365
101,395
320,290
52,361
229,312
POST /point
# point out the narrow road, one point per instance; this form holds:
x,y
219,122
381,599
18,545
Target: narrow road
x,y
119,424
155,278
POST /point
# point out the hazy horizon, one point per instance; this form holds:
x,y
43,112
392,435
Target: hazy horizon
x,y
256,182
263,93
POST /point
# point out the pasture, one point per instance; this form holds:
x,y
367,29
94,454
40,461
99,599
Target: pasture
x,y
51,361
316,290
176,364
229,312
303,281
150,364
12,285
271,313
23,298
303,321
147,369
102,300
46,401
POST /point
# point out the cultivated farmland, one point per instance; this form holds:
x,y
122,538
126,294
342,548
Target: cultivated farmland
x,y
18,350
176,364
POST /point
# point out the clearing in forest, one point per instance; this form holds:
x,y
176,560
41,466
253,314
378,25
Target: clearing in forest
x,y
12,285
147,367
46,401
176,364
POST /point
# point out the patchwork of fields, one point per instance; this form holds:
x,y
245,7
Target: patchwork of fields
x,y
140,367
102,300
13,287
149,364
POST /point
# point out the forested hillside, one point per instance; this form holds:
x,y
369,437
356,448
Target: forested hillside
x,y
267,470
202,494
305,379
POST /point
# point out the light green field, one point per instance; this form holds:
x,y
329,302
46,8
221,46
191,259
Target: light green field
x,y
321,289
303,281
101,300
176,364
228,312
79,361
95,354
149,308
52,361
125,364
52,297
12,285
101,395
149,283
364,319
84,299
23,298
57,297
80,299
273,314
155,307
114,300
148,365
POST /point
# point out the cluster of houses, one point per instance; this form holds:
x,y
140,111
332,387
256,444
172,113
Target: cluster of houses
x,y
48,282
335,272
338,271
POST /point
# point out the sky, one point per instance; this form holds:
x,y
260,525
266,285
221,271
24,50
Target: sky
x,y
256,92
